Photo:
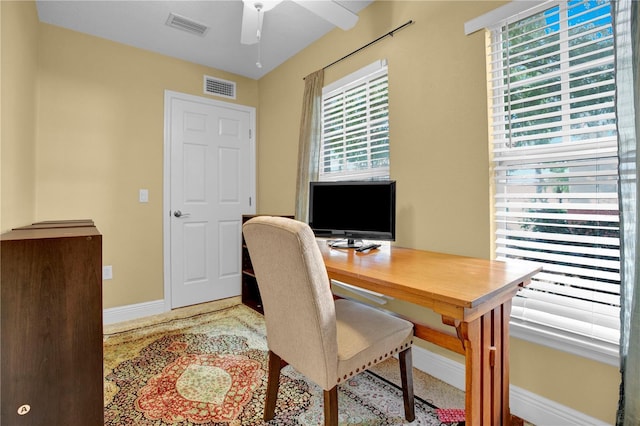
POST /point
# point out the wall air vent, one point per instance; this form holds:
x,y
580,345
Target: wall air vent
x,y
186,24
219,87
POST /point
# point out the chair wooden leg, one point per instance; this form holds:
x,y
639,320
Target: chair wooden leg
x,y
406,375
331,407
273,382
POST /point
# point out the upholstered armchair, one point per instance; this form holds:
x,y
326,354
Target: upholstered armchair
x,y
326,340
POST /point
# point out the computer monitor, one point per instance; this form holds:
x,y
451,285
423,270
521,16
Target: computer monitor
x,y
353,210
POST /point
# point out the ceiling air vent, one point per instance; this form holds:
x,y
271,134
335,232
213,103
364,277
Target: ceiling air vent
x,y
186,24
219,87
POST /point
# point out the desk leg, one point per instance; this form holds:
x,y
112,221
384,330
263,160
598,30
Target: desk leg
x,y
486,343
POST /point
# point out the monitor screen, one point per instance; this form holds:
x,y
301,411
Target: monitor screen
x,y
353,210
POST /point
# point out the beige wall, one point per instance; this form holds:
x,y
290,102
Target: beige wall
x,y
437,125
19,48
82,132
439,157
101,118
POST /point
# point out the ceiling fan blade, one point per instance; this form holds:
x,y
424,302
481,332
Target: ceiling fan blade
x,y
250,23
331,11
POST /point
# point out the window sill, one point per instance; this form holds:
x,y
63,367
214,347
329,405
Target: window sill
x,y
607,353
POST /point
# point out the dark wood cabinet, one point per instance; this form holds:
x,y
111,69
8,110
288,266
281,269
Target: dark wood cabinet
x,y
51,325
250,293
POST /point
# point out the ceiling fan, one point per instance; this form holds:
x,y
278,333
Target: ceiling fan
x,y
254,10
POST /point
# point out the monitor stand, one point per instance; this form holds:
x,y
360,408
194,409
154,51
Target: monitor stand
x,y
350,243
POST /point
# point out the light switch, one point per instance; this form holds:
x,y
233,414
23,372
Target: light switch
x,y
144,195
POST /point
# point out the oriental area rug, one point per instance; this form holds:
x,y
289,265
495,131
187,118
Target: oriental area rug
x,y
210,369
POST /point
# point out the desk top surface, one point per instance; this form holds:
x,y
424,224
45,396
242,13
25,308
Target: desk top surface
x,y
425,277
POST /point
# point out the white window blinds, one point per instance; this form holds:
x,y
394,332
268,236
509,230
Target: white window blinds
x,y
355,127
554,148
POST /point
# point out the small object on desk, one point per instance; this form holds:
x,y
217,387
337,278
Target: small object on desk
x,y
367,247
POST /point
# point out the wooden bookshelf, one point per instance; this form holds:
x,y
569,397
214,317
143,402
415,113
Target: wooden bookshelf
x,y
250,292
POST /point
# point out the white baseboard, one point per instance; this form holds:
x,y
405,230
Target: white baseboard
x,y
131,312
524,404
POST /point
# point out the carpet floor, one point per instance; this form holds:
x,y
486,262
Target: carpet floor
x,y
206,365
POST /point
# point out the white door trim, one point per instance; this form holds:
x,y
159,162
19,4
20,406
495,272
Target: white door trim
x,y
166,203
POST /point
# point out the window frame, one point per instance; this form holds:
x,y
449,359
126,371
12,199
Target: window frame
x,y
584,346
364,75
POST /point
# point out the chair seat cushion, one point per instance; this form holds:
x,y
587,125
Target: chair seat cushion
x,y
367,336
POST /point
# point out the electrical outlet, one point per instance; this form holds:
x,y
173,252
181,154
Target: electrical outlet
x,y
143,196
107,272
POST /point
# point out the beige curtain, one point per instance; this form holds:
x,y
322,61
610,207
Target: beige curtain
x,y
309,142
627,37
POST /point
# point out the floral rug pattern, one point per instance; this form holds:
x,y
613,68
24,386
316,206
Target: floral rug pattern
x,y
210,369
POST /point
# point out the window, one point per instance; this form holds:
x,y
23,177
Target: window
x,y
355,126
554,160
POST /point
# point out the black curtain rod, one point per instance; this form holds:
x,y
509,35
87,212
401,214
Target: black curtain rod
x,y
390,33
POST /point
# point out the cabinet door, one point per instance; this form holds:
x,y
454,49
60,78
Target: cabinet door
x,y
51,317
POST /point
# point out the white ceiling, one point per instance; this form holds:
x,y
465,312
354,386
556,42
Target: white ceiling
x,y
287,29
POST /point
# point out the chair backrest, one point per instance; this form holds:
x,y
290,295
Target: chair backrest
x,y
296,296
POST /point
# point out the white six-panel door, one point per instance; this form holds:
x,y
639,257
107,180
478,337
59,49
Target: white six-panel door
x,y
211,184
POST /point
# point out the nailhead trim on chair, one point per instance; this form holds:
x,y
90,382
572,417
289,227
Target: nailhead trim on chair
x,y
375,361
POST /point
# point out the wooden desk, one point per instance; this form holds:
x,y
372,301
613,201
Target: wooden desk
x,y
472,295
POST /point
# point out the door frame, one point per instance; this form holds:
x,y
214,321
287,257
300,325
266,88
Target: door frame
x,y
169,96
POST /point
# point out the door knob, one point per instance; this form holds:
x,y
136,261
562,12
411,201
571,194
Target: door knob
x,y
178,213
